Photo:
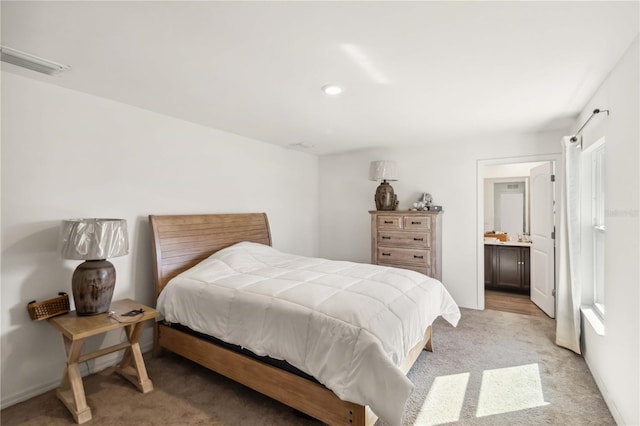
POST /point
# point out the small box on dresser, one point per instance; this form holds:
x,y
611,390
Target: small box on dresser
x,y
408,239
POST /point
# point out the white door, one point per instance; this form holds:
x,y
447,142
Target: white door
x,y
542,247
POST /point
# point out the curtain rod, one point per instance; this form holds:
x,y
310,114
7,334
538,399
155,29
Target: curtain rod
x,y
595,111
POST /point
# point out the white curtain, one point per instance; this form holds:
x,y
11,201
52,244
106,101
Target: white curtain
x,y
568,290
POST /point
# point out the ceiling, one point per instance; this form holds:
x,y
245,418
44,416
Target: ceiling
x,y
412,72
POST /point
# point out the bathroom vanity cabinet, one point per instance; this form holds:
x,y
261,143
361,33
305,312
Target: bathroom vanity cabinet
x,y
507,267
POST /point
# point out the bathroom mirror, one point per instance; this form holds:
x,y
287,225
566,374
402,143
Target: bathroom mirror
x,y
507,205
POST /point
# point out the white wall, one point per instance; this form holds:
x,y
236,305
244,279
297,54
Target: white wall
x,y
615,357
509,170
66,154
448,171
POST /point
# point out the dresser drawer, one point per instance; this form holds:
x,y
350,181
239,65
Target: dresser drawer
x,y
389,222
390,255
416,223
422,269
404,239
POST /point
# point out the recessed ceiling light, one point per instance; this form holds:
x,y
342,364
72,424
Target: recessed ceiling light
x,y
332,89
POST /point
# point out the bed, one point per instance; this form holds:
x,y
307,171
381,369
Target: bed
x,y
180,242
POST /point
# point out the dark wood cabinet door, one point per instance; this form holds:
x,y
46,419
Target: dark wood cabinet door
x,y
488,266
508,271
526,271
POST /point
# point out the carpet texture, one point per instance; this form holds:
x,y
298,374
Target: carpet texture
x,y
495,368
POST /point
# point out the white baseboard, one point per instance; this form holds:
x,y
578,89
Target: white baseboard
x,y
605,394
97,365
601,386
28,394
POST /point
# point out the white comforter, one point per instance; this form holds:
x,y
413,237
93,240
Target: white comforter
x,y
349,325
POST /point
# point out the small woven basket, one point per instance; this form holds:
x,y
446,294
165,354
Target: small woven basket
x,y
501,237
49,308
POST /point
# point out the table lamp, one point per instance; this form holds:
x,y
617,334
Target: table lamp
x,y
384,171
94,241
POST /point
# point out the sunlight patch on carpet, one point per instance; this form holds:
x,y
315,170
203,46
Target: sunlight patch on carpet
x,y
510,389
444,400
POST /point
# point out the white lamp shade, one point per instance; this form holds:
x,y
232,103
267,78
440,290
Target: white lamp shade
x,y
383,170
94,239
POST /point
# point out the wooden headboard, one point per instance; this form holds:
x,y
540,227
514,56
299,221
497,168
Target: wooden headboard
x,y
182,241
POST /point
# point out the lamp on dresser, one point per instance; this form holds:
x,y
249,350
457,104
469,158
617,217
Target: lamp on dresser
x,y
383,172
94,241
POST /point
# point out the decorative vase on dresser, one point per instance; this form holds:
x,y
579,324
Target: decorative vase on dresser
x,y
408,239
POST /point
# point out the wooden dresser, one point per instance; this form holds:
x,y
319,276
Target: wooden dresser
x,y
408,239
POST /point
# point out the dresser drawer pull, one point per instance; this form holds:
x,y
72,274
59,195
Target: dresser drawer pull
x,y
418,239
386,254
388,221
386,238
415,256
416,223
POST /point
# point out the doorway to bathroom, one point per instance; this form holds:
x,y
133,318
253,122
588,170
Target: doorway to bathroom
x,y
516,245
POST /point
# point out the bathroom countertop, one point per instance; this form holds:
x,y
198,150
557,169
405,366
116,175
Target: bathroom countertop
x,y
508,243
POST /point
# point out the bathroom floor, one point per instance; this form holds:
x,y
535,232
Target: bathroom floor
x,y
511,302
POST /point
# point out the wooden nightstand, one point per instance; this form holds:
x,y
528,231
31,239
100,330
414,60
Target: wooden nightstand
x,y
75,329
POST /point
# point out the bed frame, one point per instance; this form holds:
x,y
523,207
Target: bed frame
x,y
180,242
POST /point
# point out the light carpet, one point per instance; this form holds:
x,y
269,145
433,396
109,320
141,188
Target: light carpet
x,y
495,368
